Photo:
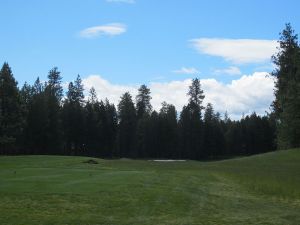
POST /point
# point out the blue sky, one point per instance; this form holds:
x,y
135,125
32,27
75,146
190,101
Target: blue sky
x,y
130,42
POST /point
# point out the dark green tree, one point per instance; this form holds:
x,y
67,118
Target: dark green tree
x,y
168,135
10,111
92,140
101,127
196,96
127,118
211,137
26,95
54,84
111,124
287,89
143,108
143,105
191,124
73,116
35,133
54,94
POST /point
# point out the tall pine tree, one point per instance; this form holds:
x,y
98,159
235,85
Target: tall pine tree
x,y
127,127
10,111
73,116
190,123
287,89
143,108
54,94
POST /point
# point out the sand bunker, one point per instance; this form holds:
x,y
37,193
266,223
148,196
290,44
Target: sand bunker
x,y
168,160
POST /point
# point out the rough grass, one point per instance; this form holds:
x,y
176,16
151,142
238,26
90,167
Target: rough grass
x,y
262,189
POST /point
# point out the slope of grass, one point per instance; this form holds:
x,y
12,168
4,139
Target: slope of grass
x,y
262,189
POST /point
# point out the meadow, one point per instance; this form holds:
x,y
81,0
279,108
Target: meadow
x,y
261,189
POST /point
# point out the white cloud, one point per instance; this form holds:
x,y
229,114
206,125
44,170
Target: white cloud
x,y
244,95
105,89
122,1
186,70
232,70
239,51
111,29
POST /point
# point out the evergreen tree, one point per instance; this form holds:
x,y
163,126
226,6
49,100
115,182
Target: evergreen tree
x,y
92,124
102,131
101,127
143,108
287,89
110,128
10,111
152,138
210,147
26,95
54,94
184,126
191,131
196,96
143,105
78,95
214,140
92,96
127,127
168,135
143,138
35,133
54,84
73,116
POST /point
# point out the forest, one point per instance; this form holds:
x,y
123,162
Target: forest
x,y
42,118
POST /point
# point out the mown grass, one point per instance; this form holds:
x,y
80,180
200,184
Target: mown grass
x,y
262,189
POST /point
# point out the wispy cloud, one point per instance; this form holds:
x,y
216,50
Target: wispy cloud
x,y
186,70
122,1
111,29
238,51
232,70
243,95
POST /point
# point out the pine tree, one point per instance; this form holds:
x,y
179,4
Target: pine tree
x,y
91,132
127,127
196,96
78,90
168,136
54,84
213,135
143,108
143,105
191,130
111,128
287,89
209,132
26,95
35,133
54,94
73,116
92,96
10,111
152,139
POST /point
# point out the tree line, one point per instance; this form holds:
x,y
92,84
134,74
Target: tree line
x,y
39,119
42,119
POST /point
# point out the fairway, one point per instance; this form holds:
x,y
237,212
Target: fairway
x,y
262,189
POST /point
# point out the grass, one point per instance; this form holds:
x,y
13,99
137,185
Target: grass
x,y
262,189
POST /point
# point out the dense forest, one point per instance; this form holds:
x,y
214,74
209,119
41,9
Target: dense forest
x,y
42,119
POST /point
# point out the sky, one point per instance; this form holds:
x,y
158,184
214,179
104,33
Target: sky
x,y
117,45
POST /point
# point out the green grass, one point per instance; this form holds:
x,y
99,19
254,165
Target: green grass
x,y
262,189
